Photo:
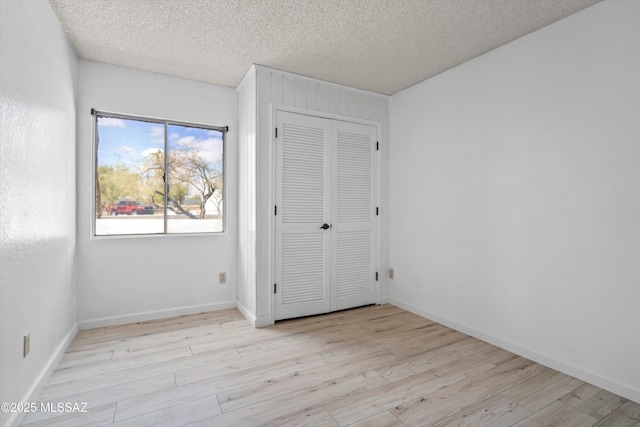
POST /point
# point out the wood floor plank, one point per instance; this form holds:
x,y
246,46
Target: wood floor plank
x,y
464,394
283,342
602,404
144,342
368,313
258,376
171,416
404,340
495,412
98,416
201,372
86,333
299,380
363,405
423,344
371,366
128,327
108,395
558,414
95,382
631,409
495,355
285,406
71,373
537,392
318,393
351,351
82,360
356,333
383,419
580,395
152,402
137,331
154,343
188,319
317,417
426,361
243,338
305,325
221,343
388,321
617,419
235,325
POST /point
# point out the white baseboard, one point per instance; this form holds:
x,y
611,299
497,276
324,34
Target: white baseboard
x,y
32,394
256,322
246,313
262,322
152,315
599,381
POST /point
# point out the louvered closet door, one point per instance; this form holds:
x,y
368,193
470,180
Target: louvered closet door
x,y
354,215
303,262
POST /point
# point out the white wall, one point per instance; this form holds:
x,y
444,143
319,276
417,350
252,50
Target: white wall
x,y
37,197
127,279
514,196
298,93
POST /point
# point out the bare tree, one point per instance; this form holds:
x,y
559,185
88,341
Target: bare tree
x,y
188,166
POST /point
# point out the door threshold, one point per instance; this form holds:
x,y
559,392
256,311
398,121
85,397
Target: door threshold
x,y
323,314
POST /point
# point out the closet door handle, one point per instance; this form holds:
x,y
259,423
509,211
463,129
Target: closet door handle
x,y
325,226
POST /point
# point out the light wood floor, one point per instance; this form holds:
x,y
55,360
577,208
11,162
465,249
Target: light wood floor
x,y
372,366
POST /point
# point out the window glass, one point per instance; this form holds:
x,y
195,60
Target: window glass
x,y
156,177
195,180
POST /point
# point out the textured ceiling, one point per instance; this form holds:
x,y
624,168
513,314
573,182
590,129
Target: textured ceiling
x,y
379,45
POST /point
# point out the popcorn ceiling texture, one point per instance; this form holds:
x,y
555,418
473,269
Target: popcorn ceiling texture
x,y
382,46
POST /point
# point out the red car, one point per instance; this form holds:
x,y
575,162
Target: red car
x,y
129,208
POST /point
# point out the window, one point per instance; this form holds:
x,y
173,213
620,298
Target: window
x,y
157,176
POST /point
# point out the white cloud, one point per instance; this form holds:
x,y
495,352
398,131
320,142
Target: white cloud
x,y
156,131
186,141
174,136
210,149
125,149
150,151
157,134
110,121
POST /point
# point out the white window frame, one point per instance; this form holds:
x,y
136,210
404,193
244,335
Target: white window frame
x,y
164,122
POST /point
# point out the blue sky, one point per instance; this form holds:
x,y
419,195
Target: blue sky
x,y
131,141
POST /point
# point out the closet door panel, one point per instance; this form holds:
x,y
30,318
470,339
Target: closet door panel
x,y
303,263
354,214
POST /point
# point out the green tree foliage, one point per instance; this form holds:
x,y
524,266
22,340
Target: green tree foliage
x,y
152,173
117,183
179,192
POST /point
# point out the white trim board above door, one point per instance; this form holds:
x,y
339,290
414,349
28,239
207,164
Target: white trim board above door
x,y
325,215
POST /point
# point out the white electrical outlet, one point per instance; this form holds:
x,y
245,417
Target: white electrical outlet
x,y
222,278
26,345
